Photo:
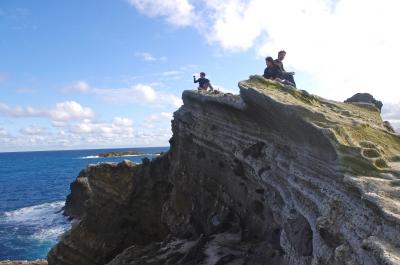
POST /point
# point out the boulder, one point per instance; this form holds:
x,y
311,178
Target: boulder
x,y
365,98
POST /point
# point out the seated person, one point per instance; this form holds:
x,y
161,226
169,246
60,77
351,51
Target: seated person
x,y
273,72
204,83
285,75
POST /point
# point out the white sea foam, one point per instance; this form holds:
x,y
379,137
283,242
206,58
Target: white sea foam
x,y
49,234
88,157
139,155
93,157
44,221
36,213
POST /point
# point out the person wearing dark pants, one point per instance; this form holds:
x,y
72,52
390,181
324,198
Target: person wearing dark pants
x,y
273,72
285,75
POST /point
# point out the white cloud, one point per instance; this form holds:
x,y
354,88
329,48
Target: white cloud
x,y
144,92
176,12
70,110
146,56
140,93
171,73
134,94
34,130
120,121
78,86
3,132
63,111
167,115
88,133
174,100
343,47
391,113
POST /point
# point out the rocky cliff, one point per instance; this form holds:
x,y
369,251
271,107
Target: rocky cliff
x,y
271,176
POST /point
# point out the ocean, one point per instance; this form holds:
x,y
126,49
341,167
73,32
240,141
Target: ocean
x,y
33,188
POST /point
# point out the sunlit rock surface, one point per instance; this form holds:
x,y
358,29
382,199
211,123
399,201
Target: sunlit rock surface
x,y
271,176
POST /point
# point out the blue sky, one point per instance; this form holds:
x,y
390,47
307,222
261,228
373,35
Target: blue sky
x,y
93,74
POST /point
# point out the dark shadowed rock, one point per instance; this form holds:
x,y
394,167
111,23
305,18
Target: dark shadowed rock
x,y
271,176
80,192
365,98
388,126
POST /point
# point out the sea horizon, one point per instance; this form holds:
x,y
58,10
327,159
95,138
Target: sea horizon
x,y
82,149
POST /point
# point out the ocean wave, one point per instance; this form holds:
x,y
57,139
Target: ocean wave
x,y
88,157
43,222
37,213
154,154
49,233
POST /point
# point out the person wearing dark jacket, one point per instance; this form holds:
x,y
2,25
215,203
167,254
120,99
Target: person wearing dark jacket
x,y
204,83
272,71
285,75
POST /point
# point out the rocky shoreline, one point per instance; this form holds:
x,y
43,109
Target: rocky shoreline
x,y
23,262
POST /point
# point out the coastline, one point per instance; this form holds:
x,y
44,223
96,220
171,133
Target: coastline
x,y
23,262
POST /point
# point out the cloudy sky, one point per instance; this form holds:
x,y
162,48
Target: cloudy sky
x,y
97,73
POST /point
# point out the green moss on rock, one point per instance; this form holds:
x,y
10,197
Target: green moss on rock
x,y
362,140
370,153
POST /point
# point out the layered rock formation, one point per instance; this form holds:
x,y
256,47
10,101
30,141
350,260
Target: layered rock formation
x,y
271,176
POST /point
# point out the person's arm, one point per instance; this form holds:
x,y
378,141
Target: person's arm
x,y
266,75
211,87
194,80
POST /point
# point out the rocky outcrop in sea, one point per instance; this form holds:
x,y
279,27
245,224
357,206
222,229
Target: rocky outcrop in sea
x,y
271,176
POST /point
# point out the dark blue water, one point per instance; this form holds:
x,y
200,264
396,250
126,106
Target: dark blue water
x,y
33,188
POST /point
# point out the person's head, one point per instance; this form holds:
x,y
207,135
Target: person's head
x,y
281,55
269,61
202,74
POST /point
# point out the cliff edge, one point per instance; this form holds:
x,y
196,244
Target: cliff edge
x,y
271,176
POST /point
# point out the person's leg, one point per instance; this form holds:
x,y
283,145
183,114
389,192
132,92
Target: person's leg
x,y
290,78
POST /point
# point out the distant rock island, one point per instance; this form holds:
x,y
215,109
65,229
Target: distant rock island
x,y
125,153
274,175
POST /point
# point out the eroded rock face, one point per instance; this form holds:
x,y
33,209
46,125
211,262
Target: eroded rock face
x,y
273,176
